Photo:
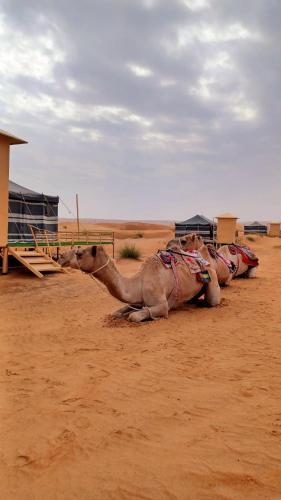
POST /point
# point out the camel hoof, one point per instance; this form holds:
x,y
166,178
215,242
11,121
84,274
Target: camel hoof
x,y
138,316
119,314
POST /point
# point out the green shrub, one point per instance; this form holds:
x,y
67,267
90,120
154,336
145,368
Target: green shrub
x,y
250,238
139,235
130,252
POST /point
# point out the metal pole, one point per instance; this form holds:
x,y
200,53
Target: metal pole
x,y
77,216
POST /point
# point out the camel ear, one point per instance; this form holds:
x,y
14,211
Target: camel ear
x,y
94,251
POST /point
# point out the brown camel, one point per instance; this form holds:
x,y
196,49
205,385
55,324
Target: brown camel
x,y
191,242
225,274
151,292
245,269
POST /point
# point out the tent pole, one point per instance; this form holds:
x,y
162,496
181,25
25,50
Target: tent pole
x,y
77,216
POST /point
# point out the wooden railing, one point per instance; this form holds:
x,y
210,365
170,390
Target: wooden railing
x,y
50,239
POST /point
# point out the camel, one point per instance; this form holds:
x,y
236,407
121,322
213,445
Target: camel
x,y
151,292
247,270
191,242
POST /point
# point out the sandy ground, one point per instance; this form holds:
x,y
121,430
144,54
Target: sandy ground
x,y
184,408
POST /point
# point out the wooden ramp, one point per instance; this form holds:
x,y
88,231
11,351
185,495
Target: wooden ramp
x,y
36,261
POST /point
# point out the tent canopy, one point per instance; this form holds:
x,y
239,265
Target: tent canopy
x,y
256,223
27,207
198,224
198,220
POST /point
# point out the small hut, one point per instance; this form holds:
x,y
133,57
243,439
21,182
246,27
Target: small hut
x,y
255,228
198,224
226,228
274,229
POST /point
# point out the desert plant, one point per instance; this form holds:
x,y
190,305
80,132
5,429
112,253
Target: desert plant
x,y
139,235
250,238
129,252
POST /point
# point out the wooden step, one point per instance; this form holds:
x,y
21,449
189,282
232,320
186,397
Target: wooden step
x,y
36,261
32,253
46,267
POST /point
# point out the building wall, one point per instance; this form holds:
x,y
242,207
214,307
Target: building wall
x,y
226,229
274,229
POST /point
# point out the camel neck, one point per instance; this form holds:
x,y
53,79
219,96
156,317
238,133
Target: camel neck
x,y
125,289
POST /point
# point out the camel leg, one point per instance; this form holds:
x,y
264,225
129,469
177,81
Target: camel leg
x,y
251,272
153,312
123,311
229,279
212,294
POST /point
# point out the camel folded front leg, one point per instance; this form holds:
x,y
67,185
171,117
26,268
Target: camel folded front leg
x,y
153,312
123,311
251,273
213,293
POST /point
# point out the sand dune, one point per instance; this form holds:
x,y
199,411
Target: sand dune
x,y
184,408
135,230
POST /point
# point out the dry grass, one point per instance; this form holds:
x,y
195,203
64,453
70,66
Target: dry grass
x,y
130,252
251,238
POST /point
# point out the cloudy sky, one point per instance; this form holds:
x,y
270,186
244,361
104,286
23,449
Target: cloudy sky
x,y
149,109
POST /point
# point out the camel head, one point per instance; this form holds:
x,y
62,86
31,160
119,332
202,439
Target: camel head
x,y
191,242
186,243
88,260
175,244
68,259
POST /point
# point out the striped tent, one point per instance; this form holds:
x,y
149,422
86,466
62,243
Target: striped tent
x,y
198,224
255,228
28,207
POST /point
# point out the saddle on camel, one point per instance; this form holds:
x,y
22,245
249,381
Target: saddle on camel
x,y
229,261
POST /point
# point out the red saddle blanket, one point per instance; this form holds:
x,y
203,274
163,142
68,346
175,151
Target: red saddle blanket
x,y
248,257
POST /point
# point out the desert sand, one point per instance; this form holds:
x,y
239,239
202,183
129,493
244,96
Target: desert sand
x,y
184,408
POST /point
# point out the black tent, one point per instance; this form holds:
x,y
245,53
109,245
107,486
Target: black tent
x,y
198,224
255,228
28,207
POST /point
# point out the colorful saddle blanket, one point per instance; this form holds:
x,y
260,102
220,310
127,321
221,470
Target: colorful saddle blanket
x,y
248,257
216,255
193,259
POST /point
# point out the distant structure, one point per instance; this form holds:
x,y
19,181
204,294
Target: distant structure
x,y
26,207
29,223
274,229
226,229
255,228
198,224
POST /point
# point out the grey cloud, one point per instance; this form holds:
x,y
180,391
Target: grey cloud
x,y
202,152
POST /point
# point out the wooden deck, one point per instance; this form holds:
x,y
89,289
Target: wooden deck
x,y
47,239
44,242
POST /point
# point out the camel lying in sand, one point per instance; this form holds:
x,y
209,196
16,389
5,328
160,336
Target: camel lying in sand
x,y
192,242
150,293
229,252
243,268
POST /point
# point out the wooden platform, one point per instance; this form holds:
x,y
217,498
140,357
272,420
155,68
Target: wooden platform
x,y
36,261
36,252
